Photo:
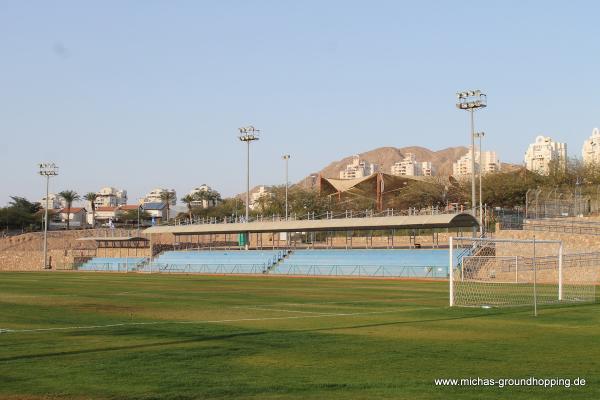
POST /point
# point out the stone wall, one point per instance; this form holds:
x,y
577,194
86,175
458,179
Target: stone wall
x,y
580,270
59,239
25,252
19,260
571,243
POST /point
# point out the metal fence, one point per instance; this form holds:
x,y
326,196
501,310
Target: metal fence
x,y
511,219
555,203
372,271
390,212
219,269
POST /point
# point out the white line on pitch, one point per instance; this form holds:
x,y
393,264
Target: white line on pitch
x,y
65,328
400,300
280,310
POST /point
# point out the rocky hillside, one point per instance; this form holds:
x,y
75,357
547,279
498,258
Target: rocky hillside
x,y
385,157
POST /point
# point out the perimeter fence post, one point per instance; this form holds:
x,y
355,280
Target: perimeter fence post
x,y
534,281
560,272
450,272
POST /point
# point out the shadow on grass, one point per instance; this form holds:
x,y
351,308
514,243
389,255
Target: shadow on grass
x,y
132,347
494,313
243,334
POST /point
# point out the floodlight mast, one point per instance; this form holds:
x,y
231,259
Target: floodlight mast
x,y
472,100
48,170
248,134
286,157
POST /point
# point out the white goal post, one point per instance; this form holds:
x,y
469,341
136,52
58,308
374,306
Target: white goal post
x,y
487,272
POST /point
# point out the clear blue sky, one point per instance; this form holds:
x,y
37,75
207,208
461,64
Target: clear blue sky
x,y
140,94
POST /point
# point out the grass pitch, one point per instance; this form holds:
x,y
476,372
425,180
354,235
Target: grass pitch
x,y
117,336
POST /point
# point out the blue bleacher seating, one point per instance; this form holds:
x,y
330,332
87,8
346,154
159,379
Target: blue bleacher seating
x,y
215,262
413,263
112,264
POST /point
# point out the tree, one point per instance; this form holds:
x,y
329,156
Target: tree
x,y
69,196
23,204
421,195
167,197
188,199
91,197
226,208
214,197
21,214
131,216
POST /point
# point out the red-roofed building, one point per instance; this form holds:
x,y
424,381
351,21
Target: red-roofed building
x,y
77,217
130,207
106,214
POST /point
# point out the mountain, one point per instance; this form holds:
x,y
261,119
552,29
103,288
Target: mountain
x,y
385,157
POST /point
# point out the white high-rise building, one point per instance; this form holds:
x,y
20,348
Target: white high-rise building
x,y
409,166
462,166
358,169
155,196
54,201
427,168
591,148
260,193
110,197
543,152
489,163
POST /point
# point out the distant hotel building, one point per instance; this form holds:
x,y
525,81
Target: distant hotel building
x,y
358,169
489,163
155,196
54,202
591,148
110,197
203,202
409,166
543,152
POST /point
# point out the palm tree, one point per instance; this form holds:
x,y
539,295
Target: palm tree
x,y
69,196
91,197
188,200
167,197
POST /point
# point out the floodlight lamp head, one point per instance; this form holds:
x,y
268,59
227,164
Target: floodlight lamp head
x,y
471,99
248,133
48,169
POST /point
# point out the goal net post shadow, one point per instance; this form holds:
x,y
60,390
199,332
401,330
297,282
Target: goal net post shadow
x,y
487,272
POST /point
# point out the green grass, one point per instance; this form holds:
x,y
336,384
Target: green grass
x,y
273,338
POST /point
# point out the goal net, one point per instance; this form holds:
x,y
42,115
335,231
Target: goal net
x,y
507,272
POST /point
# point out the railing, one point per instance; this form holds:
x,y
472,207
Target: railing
x,y
372,270
205,268
109,267
390,212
